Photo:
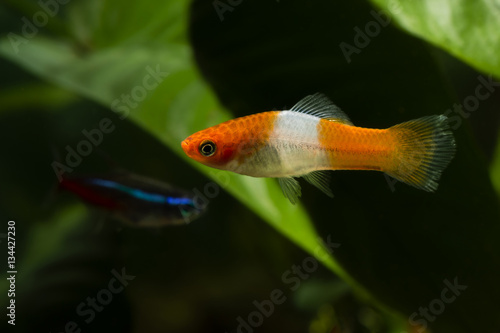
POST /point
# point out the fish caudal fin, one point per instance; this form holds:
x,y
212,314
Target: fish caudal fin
x,y
423,149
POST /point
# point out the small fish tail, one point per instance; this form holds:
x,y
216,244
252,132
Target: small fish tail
x,y
423,149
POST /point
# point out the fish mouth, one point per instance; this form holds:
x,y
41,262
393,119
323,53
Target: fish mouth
x,y
186,146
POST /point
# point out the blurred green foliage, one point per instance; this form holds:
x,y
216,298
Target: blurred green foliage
x,y
161,70
467,29
154,68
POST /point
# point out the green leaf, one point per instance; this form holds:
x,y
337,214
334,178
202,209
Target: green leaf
x,y
144,72
466,29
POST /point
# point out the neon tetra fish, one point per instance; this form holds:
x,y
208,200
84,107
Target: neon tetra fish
x,y
315,136
136,200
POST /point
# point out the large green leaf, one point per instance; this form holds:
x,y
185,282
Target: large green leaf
x,y
113,54
465,28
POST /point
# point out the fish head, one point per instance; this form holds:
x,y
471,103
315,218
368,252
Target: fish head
x,y
215,147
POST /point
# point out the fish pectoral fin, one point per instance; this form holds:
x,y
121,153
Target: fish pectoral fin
x,y
291,188
321,106
320,179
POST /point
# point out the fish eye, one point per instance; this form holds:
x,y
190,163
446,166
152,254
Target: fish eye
x,y
207,148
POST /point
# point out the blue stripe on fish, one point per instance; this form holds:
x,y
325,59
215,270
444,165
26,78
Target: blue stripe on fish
x,y
142,195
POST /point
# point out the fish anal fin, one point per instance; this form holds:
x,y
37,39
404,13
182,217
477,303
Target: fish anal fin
x,y
291,189
320,179
321,106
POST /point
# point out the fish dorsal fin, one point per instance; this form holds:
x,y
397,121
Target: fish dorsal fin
x,y
320,179
291,188
321,106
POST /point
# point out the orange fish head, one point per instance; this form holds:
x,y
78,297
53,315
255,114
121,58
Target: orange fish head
x,y
210,147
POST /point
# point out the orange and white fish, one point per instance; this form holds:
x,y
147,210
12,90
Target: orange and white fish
x,y
315,136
